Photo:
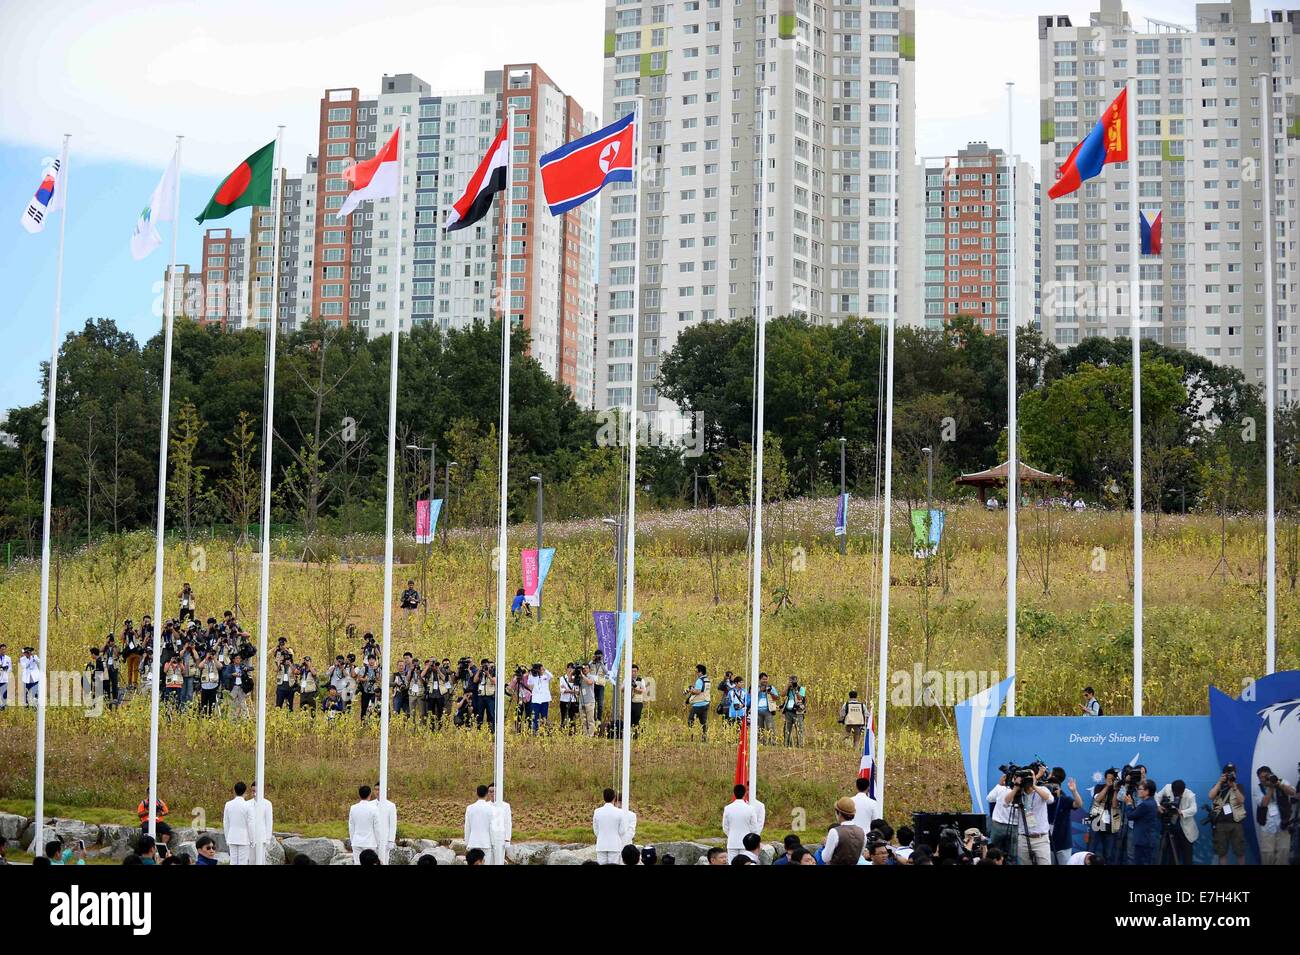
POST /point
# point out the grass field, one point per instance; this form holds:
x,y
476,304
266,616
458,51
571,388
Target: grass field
x,y
1203,625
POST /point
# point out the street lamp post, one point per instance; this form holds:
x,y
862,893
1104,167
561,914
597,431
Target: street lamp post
x,y
537,479
845,536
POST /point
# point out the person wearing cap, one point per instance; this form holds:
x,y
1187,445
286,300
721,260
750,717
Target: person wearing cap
x,y
6,668
793,706
29,665
844,840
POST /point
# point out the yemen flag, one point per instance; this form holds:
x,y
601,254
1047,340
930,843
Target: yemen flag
x,y
374,178
248,185
1107,143
488,179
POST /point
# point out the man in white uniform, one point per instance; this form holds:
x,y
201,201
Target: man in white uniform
x,y
738,820
387,810
479,816
609,823
6,670
30,665
502,827
363,824
237,823
263,824
868,808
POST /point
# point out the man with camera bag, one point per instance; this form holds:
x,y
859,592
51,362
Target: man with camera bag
x,y
1177,805
1272,816
1227,811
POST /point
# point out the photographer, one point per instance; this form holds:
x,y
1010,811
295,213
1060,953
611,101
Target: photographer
x,y
286,677
209,682
600,678
237,681
1104,818
1177,806
1033,839
1272,815
697,700
569,699
539,685
1144,822
587,699
517,689
1227,812
1003,822
766,704
369,680
1059,814
737,701
485,695
638,696
308,686
794,707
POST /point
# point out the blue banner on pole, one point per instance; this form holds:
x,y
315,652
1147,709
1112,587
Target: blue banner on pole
x,y
842,516
610,638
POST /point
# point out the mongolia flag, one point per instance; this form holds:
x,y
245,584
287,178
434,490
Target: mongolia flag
x,y
867,768
488,179
1151,241
376,178
578,170
1108,142
48,198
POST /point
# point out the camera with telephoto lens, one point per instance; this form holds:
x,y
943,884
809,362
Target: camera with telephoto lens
x,y
1229,774
1021,777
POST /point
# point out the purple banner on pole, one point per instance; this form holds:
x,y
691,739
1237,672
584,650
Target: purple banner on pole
x,y
842,515
606,634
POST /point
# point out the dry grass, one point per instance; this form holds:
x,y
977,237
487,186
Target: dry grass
x,y
1198,629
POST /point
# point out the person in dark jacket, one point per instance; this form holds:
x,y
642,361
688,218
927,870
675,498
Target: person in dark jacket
x,y
1145,819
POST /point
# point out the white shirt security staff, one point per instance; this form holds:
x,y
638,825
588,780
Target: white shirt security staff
x,y
609,823
868,811
29,665
263,826
478,822
237,823
363,825
739,819
6,670
387,811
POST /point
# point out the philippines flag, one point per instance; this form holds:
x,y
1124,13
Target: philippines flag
x,y
1108,142
375,178
1151,241
578,170
48,198
488,179
867,768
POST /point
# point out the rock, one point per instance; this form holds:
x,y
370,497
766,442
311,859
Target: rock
x,y
445,856
187,835
400,855
223,858
12,826
457,846
111,836
421,846
319,849
342,858
563,857
28,834
529,853
275,854
685,853
72,831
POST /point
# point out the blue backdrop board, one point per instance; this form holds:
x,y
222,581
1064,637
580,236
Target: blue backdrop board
x,y
1260,727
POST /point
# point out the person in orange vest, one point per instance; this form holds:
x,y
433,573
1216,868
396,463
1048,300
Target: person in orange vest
x,y
142,810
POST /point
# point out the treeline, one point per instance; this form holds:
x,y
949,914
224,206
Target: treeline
x,y
1203,428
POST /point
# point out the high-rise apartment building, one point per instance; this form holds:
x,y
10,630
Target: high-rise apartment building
x,y
453,279
963,214
1199,146
839,107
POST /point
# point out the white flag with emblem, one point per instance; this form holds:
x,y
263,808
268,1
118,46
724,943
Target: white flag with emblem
x,y
161,208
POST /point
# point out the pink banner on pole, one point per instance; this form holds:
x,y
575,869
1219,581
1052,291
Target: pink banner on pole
x,y
426,520
529,565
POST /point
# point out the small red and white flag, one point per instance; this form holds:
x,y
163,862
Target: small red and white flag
x,y
488,179
375,178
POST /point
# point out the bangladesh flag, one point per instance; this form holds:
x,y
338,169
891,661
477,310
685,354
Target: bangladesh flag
x,y
248,185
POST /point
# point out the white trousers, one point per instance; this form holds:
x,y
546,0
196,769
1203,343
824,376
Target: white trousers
x,y
241,855
609,858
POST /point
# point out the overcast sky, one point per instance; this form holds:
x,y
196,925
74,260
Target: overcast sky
x,y
124,78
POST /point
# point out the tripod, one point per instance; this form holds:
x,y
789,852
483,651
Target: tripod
x,y
1017,808
1169,847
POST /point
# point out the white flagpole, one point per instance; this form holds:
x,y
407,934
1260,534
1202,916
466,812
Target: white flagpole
x,y
1270,384
886,538
756,582
395,277
169,315
38,842
1135,317
503,561
268,434
1013,448
634,432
